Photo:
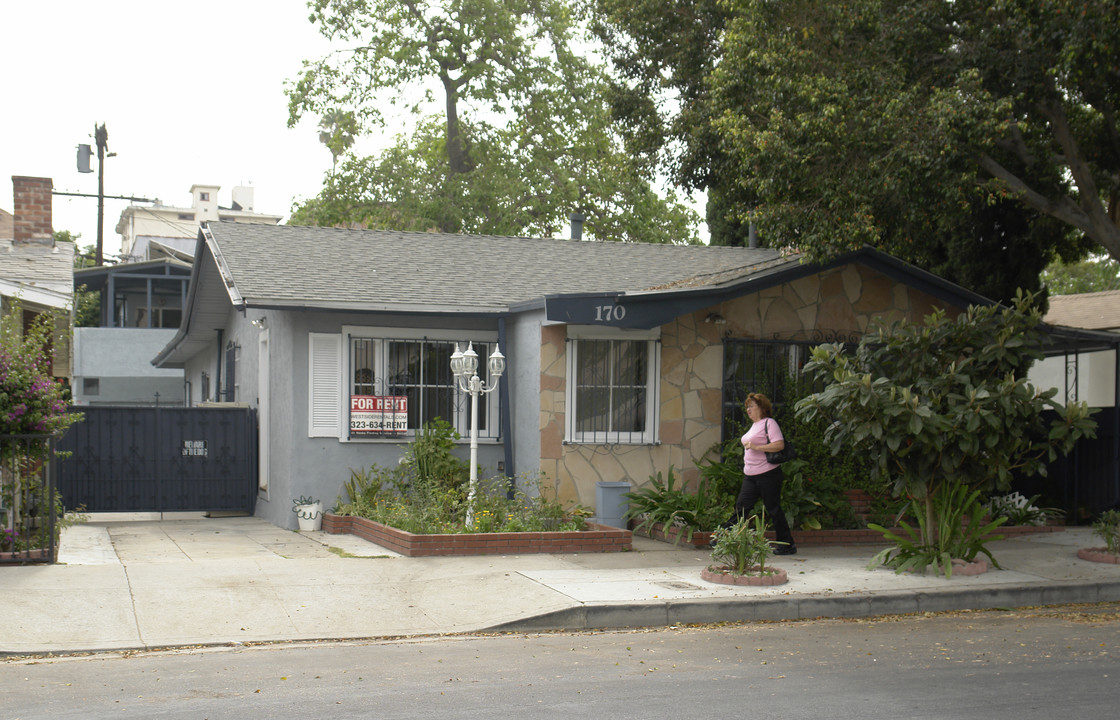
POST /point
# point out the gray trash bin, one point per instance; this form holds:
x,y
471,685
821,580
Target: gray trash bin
x,y
609,503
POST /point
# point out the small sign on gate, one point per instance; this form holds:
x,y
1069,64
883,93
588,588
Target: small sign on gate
x,y
194,448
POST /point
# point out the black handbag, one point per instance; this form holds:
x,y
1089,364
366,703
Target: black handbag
x,y
780,456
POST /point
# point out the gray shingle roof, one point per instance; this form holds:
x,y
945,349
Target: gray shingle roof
x,y
45,266
293,265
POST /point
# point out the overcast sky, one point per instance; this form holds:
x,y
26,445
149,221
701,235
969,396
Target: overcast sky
x,y
189,92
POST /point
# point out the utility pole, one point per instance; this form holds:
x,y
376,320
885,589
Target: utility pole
x,y
101,135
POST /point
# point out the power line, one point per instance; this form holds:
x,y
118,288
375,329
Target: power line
x,y
111,197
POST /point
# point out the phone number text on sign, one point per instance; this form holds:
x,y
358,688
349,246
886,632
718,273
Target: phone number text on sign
x,y
378,414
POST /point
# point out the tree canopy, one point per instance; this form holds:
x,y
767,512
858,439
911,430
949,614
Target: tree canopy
x,y
1095,274
956,134
521,138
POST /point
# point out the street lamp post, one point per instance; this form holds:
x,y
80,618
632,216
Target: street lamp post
x,y
464,365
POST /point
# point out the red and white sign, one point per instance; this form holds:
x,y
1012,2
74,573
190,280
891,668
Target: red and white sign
x,y
378,414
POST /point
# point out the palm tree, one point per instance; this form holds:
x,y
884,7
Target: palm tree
x,y
337,130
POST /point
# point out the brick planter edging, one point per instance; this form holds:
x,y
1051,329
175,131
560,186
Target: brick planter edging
x,y
1098,554
862,536
719,575
599,538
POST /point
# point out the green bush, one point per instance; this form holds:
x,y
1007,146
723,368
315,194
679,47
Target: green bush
x,y
743,547
671,506
944,406
1108,528
427,494
1021,510
31,402
959,531
431,458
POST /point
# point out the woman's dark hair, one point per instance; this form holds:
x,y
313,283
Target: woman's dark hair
x,y
762,401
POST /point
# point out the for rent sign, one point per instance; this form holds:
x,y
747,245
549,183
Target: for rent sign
x,y
378,414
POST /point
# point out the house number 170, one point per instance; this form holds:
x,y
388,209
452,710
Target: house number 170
x,y
606,313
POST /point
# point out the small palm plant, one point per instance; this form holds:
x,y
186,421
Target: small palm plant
x,y
743,547
679,511
1108,528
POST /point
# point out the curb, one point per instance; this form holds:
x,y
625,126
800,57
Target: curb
x,y
786,607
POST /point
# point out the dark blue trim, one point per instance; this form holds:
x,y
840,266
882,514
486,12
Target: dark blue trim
x,y
503,407
649,310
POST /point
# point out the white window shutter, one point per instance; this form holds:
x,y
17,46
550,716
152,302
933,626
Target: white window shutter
x,y
324,361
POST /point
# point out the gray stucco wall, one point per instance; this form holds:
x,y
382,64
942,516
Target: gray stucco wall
x,y
301,465
523,346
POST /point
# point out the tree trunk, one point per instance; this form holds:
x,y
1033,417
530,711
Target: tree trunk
x,y
458,161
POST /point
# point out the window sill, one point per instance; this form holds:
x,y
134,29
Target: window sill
x,y
409,438
609,443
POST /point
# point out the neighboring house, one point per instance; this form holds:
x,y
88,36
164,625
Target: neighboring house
x,y
1088,480
160,231
1087,376
623,359
141,308
34,269
142,300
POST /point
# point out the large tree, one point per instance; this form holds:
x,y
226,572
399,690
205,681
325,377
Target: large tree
x,y
662,56
875,122
1095,274
521,139
957,134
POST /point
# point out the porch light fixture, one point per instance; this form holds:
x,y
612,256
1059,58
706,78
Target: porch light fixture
x,y
714,317
260,323
464,365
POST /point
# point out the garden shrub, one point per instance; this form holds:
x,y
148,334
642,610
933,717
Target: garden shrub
x,y
33,405
943,411
663,502
1107,527
427,494
743,547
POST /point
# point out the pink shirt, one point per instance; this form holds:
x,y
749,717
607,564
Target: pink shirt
x,y
754,461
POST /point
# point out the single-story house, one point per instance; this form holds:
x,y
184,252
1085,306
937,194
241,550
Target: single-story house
x,y
623,359
37,273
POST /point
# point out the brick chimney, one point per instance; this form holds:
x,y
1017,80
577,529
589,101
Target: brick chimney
x,y
31,211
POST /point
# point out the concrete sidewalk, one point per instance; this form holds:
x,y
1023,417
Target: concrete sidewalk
x,y
123,585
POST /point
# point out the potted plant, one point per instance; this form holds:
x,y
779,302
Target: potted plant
x,y
740,553
309,511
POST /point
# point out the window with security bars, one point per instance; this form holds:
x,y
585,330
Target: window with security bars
x,y
611,391
420,370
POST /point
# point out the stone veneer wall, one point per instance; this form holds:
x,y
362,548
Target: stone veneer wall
x,y
840,302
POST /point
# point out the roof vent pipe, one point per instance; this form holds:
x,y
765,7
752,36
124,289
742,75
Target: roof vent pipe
x,y
752,235
577,219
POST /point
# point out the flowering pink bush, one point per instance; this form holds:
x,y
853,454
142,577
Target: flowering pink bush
x,y
31,402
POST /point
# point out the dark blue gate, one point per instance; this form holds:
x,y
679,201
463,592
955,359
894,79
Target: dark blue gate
x,y
161,459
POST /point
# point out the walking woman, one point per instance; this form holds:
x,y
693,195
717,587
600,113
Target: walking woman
x,y
760,477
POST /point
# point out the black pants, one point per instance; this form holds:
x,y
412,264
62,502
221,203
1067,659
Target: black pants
x,y
768,486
